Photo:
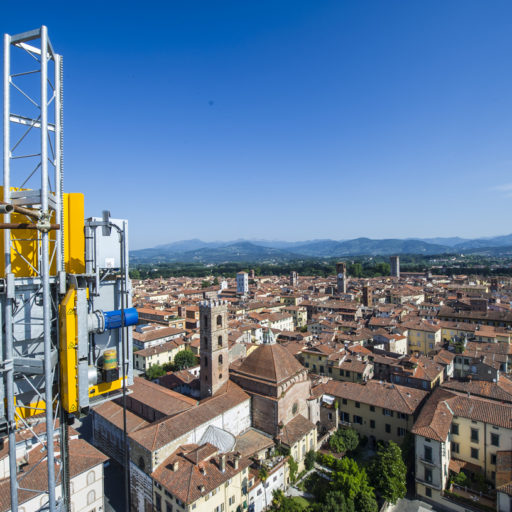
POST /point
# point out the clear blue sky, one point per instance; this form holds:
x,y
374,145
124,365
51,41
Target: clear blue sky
x,y
286,119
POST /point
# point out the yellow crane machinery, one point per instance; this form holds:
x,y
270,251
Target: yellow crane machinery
x,y
65,299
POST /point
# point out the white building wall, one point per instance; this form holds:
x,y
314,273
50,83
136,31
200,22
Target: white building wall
x,y
260,497
86,493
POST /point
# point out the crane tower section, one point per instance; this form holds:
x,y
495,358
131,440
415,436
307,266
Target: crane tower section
x,y
65,301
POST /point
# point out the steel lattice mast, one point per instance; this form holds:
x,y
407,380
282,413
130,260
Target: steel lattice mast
x,y
32,161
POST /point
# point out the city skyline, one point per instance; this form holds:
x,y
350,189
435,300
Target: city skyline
x,y
288,120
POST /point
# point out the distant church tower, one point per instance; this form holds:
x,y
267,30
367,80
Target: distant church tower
x,y
213,346
341,277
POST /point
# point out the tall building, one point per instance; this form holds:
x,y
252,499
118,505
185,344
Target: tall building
x,y
395,266
294,278
367,295
214,346
242,283
341,276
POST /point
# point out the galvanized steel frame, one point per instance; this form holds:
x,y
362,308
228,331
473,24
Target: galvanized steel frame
x,y
47,201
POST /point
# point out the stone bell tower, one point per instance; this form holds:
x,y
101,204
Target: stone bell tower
x,y
213,346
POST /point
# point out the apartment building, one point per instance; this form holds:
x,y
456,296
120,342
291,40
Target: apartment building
x,y
378,410
423,336
457,432
201,478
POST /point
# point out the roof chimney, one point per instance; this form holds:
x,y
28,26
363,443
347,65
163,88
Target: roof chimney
x,y
175,465
201,488
236,460
222,462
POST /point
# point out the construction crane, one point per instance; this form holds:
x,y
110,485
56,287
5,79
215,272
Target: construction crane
x,y
65,299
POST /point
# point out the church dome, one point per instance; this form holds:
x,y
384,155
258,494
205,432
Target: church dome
x,y
271,363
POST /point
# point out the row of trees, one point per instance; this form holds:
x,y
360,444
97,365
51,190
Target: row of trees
x,y
183,359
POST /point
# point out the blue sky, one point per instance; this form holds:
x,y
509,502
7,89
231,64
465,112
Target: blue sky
x,y
286,119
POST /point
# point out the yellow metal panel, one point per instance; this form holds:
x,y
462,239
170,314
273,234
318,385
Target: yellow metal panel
x,y
74,238
105,387
68,352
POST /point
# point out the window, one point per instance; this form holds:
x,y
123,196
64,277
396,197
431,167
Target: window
x,y
474,435
387,412
219,320
427,454
455,429
428,475
344,401
91,497
400,431
232,500
321,369
358,405
358,419
428,492
495,439
345,416
372,408
347,373
205,362
220,360
330,415
493,459
474,453
403,416
372,423
219,341
388,428
168,507
455,447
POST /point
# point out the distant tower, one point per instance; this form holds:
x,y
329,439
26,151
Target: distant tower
x,y
367,296
294,278
395,266
214,346
242,283
252,274
341,273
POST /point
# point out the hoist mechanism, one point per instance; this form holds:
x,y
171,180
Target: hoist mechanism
x,y
65,294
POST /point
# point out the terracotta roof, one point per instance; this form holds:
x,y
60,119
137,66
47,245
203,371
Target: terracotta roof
x,y
501,390
191,481
82,457
388,396
435,419
159,349
161,433
436,415
295,430
270,362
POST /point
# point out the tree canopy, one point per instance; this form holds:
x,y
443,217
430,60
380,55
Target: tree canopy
x,y
388,472
344,440
184,359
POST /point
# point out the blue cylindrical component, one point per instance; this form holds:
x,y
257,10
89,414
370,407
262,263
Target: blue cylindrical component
x,y
113,319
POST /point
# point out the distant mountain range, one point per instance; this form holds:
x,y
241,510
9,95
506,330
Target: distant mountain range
x,y
197,251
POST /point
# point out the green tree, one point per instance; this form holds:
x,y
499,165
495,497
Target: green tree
x,y
366,502
388,472
206,284
334,501
293,466
309,461
184,359
134,273
215,281
344,440
352,481
154,372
